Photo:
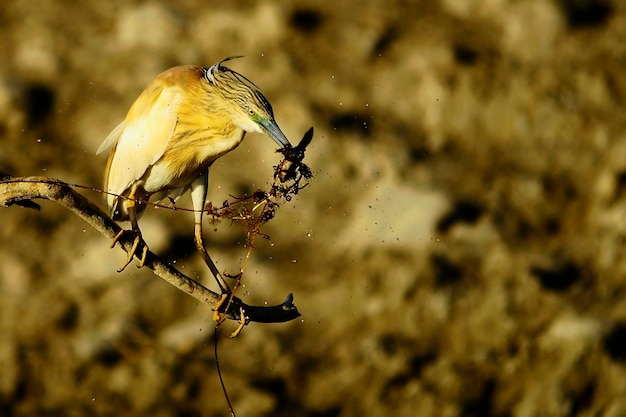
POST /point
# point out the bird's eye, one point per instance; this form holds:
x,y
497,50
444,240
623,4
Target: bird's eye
x,y
251,112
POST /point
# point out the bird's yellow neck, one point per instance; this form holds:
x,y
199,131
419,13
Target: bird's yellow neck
x,y
204,131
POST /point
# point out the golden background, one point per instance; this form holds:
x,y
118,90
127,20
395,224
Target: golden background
x,y
460,251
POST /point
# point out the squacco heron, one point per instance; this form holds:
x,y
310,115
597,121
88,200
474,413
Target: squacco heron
x,y
185,119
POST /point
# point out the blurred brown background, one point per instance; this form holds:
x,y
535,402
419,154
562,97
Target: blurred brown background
x,y
460,251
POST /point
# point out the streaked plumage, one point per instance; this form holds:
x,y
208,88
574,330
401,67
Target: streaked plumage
x,y
185,119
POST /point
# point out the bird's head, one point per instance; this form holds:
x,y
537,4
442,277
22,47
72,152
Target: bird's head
x,y
248,107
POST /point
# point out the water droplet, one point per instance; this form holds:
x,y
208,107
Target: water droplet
x,y
293,261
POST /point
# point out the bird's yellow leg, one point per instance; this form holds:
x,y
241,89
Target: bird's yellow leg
x,y
132,214
207,259
199,189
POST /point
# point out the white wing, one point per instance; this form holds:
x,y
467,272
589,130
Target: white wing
x,y
111,139
141,139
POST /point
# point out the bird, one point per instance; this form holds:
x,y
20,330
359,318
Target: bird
x,y
186,118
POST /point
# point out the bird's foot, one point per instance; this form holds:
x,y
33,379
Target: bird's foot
x,y
243,322
131,253
219,314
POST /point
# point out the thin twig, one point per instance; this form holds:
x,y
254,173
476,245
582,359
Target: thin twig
x,y
219,373
19,190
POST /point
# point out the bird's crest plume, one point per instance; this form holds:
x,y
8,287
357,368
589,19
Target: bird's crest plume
x,y
216,71
220,76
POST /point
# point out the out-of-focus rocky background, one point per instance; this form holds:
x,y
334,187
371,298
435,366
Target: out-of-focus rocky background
x,y
460,251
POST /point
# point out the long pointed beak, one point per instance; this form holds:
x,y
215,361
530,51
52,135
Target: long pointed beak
x,y
273,131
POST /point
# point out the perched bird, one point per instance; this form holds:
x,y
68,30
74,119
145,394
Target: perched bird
x,y
185,119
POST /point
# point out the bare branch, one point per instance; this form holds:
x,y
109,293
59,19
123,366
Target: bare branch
x,y
21,190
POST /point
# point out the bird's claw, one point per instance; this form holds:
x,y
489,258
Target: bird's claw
x,y
220,314
243,322
131,253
